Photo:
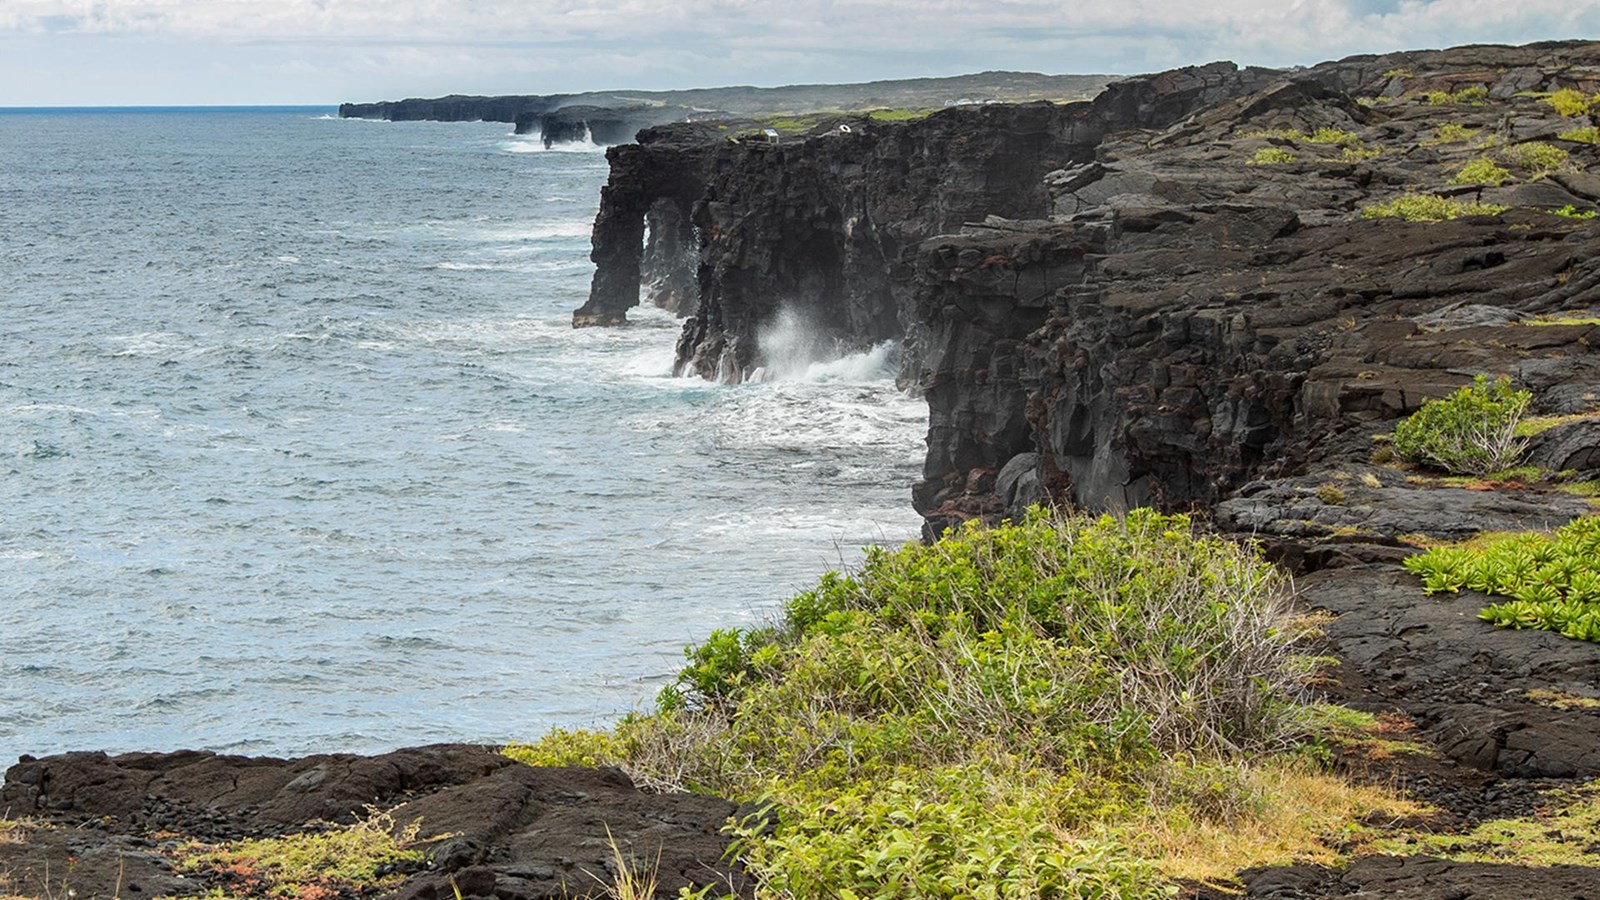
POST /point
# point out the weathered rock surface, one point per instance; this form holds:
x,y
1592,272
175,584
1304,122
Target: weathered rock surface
x,y
1470,686
503,829
1421,878
1117,294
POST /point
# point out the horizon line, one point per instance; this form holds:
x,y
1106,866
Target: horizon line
x,y
164,106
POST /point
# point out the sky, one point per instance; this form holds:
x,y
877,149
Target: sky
x,y
228,52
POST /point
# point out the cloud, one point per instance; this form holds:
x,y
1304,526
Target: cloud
x,y
371,48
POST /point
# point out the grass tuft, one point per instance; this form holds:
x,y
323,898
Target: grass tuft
x,y
1428,208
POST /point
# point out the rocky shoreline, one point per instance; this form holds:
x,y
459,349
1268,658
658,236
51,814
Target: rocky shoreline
x,y
1174,295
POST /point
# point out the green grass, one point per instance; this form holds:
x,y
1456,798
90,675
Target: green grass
x,y
1062,707
1560,832
1429,208
310,866
1553,581
899,115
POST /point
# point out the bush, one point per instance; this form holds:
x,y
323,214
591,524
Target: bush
x,y
1570,102
1453,133
1538,157
1471,432
1428,208
1481,171
1473,95
1272,156
1587,135
980,716
1553,580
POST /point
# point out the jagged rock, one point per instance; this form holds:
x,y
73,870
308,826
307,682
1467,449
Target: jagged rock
x,y
504,829
1569,446
1117,287
1381,503
1465,682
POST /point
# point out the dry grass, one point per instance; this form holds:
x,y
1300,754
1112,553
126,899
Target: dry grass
x,y
629,880
1302,816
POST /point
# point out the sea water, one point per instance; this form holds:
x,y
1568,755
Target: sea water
x,y
299,451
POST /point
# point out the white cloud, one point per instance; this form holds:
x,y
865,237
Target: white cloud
x,y
371,48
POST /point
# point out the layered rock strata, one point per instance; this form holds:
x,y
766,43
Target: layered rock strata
x,y
1163,296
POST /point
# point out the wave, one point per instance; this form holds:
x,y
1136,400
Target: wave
x,y
533,142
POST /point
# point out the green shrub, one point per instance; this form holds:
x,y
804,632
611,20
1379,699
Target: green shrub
x,y
1272,156
1538,157
1571,102
1428,208
1336,136
1553,580
1572,212
1481,171
1587,135
1452,133
1358,153
1471,432
1473,95
978,717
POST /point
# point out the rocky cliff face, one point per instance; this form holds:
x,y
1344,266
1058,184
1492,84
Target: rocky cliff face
x,y
1163,296
816,225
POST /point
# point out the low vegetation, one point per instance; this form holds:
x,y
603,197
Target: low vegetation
x,y
1272,156
359,859
1560,832
1481,171
1429,208
1571,102
1473,95
1587,135
1471,432
1572,212
1452,133
1552,580
1062,707
1538,157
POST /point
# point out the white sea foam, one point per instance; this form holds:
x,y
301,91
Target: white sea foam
x,y
533,142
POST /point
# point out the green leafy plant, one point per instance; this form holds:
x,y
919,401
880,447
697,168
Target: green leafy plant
x,y
1428,208
1572,212
1538,157
1553,580
1571,102
1471,432
1481,171
1056,707
1272,156
1586,135
1473,95
1452,133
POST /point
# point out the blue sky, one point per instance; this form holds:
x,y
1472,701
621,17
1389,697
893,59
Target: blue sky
x,y
180,52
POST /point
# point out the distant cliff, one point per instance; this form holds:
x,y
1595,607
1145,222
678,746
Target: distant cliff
x,y
614,116
1161,296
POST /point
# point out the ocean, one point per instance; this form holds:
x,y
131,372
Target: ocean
x,y
299,451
